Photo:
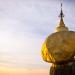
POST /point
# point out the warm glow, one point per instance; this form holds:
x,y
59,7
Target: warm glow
x,y
17,71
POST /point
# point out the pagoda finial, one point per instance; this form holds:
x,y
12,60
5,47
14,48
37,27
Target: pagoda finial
x,y
61,13
61,26
61,17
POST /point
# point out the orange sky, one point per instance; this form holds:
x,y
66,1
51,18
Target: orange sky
x,y
16,71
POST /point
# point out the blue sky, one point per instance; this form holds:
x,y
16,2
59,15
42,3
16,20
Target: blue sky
x,y
24,25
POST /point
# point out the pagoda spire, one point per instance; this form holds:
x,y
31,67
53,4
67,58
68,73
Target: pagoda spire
x,y
61,13
61,17
61,26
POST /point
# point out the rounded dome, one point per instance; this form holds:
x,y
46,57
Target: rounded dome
x,y
60,46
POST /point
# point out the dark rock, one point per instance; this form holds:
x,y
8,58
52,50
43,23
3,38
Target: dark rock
x,y
64,69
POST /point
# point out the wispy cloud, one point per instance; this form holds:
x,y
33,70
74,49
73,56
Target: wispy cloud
x,y
24,25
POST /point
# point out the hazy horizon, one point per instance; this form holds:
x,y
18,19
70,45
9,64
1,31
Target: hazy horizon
x,y
21,71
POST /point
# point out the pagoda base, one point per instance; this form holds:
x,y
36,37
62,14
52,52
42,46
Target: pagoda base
x,y
63,69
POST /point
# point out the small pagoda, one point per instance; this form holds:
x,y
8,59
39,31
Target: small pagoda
x,y
59,49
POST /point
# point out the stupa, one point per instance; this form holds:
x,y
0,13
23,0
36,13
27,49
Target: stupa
x,y
59,49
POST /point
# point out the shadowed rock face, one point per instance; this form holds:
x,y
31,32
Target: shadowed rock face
x,y
66,69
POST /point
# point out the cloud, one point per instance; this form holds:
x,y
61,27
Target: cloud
x,y
24,25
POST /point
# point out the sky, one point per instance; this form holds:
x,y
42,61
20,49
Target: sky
x,y
24,25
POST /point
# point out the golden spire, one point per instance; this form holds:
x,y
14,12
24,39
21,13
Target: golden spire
x,y
61,26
